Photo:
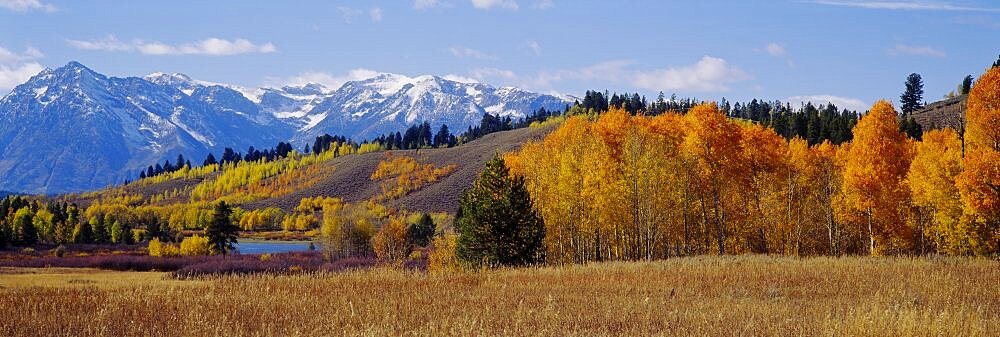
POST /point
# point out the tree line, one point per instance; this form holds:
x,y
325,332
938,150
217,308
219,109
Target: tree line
x,y
624,187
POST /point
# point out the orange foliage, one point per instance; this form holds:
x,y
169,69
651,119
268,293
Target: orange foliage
x,y
404,174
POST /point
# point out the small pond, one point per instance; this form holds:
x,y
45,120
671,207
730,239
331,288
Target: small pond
x,y
268,247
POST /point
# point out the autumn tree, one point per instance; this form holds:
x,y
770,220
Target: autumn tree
x,y
24,229
390,243
931,179
874,175
979,183
497,224
711,144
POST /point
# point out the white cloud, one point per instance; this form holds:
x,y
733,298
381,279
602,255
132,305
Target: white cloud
x,y
775,49
425,4
460,78
902,49
27,6
12,76
375,14
483,74
331,81
16,68
489,4
710,74
210,46
8,57
348,13
841,102
535,48
543,4
463,52
906,5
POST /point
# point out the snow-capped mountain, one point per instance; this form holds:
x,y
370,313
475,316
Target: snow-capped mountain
x,y
73,129
389,103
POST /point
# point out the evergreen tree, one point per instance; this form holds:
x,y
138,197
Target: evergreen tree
x,y
966,85
997,62
912,98
221,232
97,227
3,234
180,161
83,233
210,160
498,225
127,237
420,233
443,136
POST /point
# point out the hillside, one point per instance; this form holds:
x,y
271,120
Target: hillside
x,y
348,177
124,124
942,114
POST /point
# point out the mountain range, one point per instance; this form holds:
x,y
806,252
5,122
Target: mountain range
x,y
72,129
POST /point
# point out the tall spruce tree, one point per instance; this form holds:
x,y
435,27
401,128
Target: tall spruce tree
x,y
221,231
966,85
498,225
912,98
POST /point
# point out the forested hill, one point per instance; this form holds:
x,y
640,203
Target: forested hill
x,y
424,180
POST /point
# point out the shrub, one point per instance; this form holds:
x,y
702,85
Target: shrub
x,y
59,251
390,243
442,258
195,245
157,248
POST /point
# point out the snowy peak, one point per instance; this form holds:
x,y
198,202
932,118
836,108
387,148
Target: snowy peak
x,y
124,124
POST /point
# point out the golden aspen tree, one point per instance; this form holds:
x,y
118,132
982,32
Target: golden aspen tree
x,y
877,163
979,184
827,182
800,194
763,171
668,192
712,145
936,165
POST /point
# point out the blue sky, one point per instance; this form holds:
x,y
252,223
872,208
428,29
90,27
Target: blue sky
x,y
851,52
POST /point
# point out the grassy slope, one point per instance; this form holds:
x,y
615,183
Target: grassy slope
x,y
711,296
351,177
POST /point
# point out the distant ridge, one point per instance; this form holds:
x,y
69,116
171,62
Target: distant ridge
x,y
946,113
73,129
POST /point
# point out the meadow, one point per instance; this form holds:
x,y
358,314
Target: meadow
x,y
703,295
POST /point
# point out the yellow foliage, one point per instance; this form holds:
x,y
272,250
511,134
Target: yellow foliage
x,y
982,131
370,147
195,245
442,259
156,248
404,174
874,174
390,242
937,164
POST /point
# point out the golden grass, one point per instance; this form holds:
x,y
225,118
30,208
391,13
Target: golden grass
x,y
81,277
717,296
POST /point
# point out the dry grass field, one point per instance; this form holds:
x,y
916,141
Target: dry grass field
x,y
754,295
